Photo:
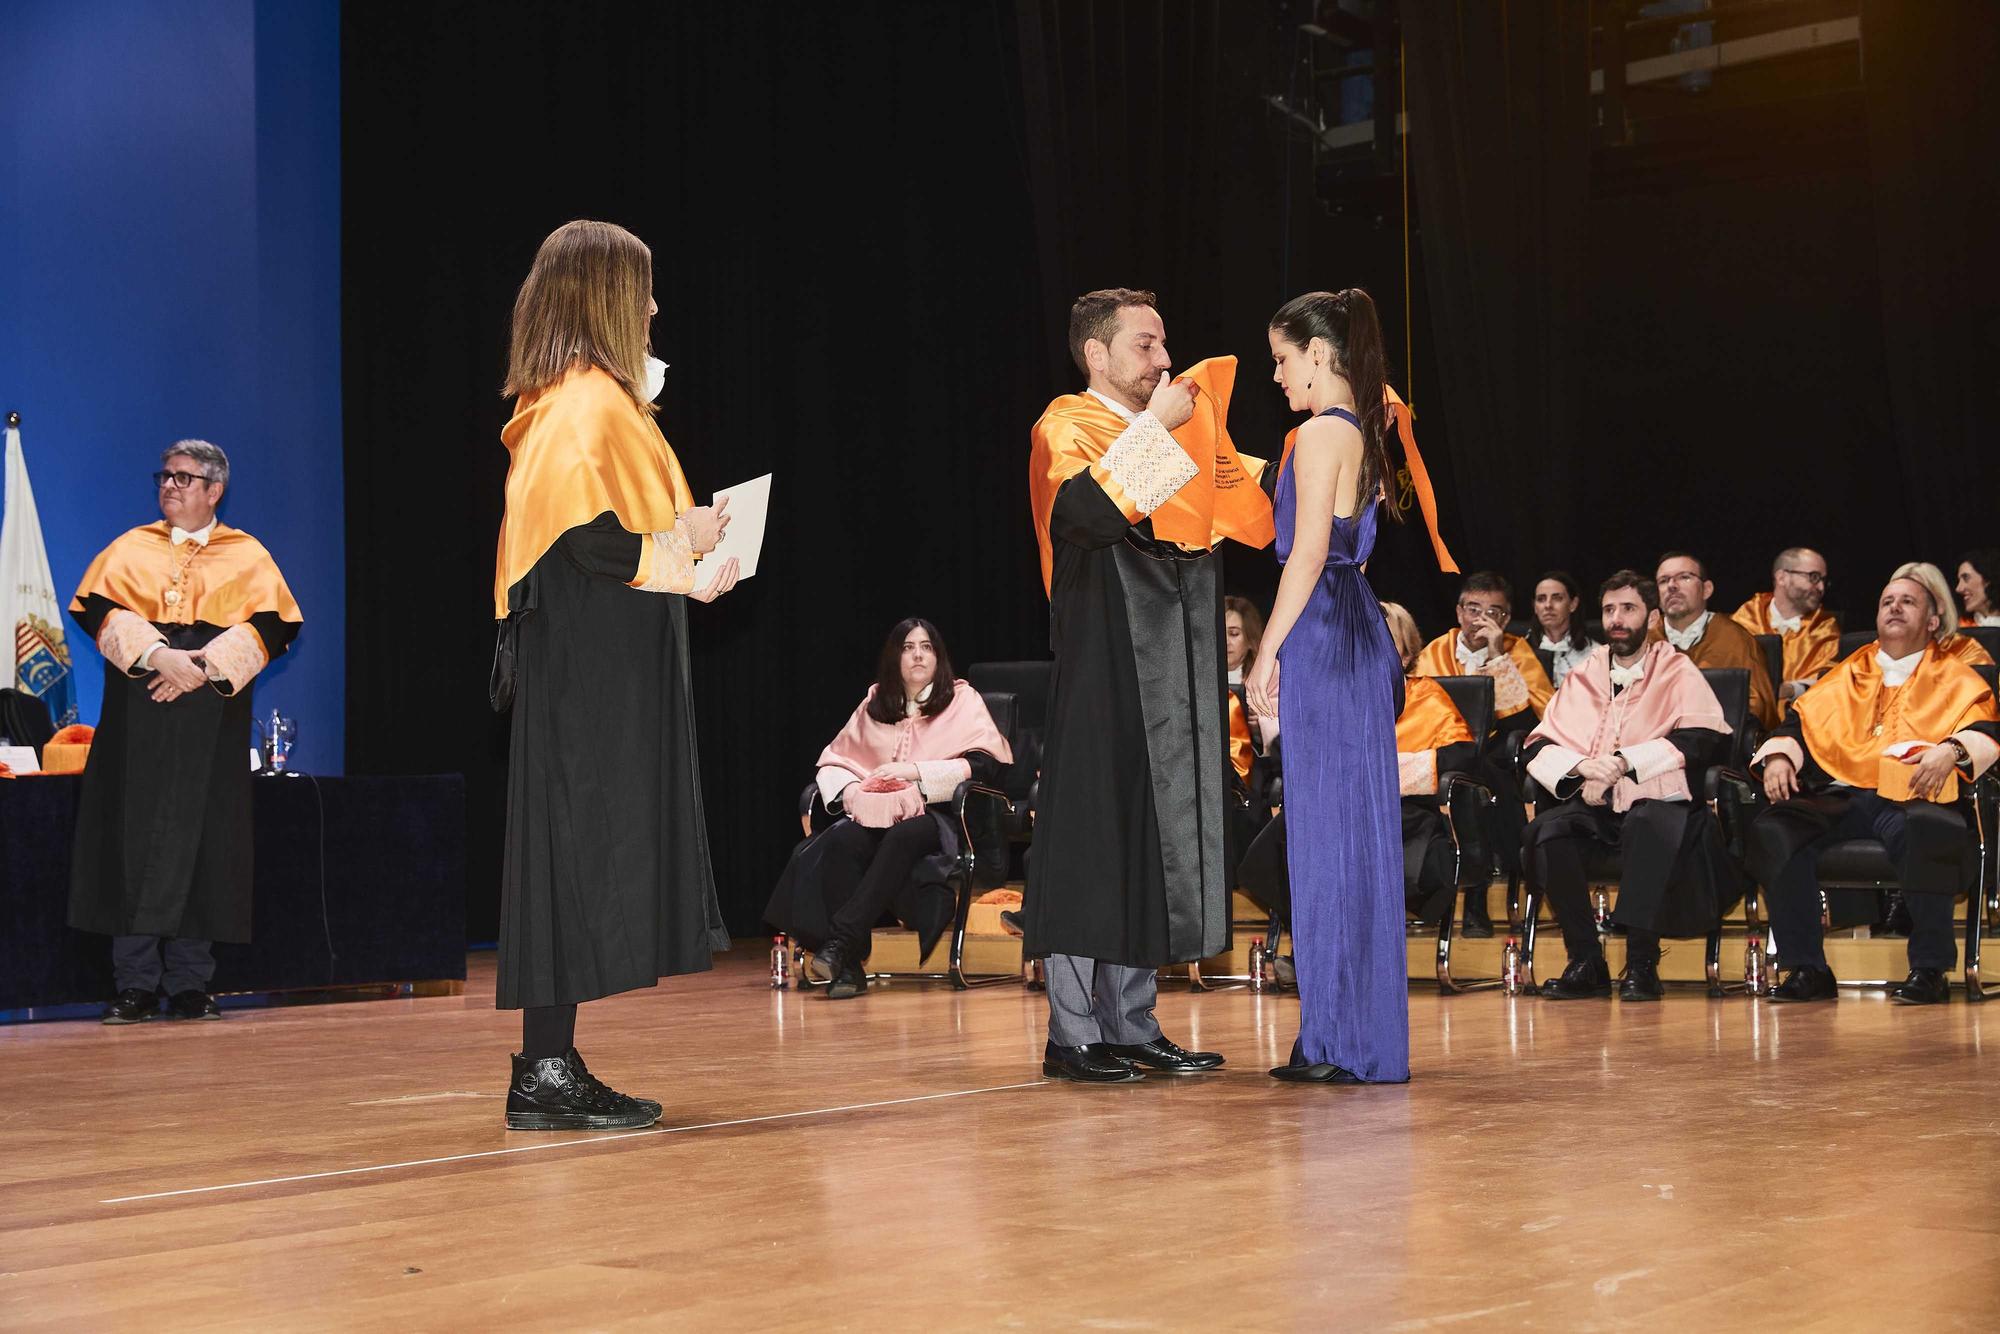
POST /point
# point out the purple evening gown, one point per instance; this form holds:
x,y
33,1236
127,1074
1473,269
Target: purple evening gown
x,y
1340,690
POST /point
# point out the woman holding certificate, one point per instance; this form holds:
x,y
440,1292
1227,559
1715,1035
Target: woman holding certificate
x,y
606,884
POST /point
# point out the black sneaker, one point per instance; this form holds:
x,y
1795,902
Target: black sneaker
x,y
582,1072
851,982
192,1005
547,1094
132,1006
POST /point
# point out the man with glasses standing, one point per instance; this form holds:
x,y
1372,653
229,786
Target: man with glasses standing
x,y
1792,609
186,612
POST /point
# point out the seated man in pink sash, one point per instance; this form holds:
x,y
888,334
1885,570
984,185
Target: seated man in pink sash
x,y
1620,744
889,844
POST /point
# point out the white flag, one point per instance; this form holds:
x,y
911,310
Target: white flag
x,y
30,616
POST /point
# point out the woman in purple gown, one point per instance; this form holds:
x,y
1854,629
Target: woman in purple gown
x,y
1330,670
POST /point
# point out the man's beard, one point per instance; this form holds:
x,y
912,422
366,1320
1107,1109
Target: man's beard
x,y
1625,647
1139,388
1811,598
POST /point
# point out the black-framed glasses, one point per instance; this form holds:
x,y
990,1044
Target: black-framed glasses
x,y
1813,577
180,481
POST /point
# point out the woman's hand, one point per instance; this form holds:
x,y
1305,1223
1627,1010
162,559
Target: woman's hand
x,y
1261,685
705,526
1933,767
906,772
725,579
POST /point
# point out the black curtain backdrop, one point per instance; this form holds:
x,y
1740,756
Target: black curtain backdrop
x,y
868,222
1935,162
1500,155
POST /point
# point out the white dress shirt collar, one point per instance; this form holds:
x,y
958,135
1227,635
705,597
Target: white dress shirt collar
x,y
199,536
1688,638
1124,413
1895,671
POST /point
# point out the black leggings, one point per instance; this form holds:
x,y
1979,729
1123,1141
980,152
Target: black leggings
x,y
547,1031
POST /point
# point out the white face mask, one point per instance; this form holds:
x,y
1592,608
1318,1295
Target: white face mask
x,y
656,377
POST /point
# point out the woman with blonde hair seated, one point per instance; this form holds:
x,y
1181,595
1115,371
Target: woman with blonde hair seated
x,y
883,840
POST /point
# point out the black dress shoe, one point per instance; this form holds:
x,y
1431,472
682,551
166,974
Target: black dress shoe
x,y
1642,983
192,1004
1315,1072
132,1006
1582,980
828,961
1924,986
1476,924
1162,1055
849,983
1012,922
583,1075
1087,1065
548,1094
1807,982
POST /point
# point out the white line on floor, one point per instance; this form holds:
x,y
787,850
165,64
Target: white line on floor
x,y
422,1097
569,1143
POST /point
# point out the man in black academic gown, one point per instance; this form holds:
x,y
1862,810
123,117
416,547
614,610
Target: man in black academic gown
x,y
1622,747
186,612
1127,868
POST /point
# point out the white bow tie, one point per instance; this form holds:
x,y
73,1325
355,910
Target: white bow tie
x,y
199,537
1625,677
1895,671
1786,626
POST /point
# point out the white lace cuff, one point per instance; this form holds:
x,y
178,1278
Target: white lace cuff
x,y
1144,467
666,563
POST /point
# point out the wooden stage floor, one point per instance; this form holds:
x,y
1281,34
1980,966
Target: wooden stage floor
x,y
897,1162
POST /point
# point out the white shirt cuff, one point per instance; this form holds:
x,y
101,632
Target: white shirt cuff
x,y
833,781
1779,745
1552,764
939,779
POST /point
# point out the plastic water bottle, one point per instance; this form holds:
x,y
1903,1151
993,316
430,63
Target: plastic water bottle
x,y
1257,963
1756,971
1510,967
1601,909
780,979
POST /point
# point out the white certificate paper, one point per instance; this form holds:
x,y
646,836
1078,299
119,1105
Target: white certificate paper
x,y
749,502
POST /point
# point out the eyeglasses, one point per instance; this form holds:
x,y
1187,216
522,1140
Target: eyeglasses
x,y
1685,577
1813,577
180,481
1480,609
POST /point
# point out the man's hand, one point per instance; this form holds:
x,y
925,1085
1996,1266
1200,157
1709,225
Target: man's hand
x,y
1607,770
725,579
1781,779
705,526
174,674
906,772
1173,402
1933,767
1488,632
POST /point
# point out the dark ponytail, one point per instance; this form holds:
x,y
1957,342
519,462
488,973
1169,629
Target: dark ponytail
x,y
1346,320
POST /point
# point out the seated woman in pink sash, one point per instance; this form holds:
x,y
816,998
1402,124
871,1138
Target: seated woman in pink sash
x,y
883,840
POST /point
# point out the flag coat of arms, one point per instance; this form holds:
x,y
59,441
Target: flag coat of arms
x,y
31,625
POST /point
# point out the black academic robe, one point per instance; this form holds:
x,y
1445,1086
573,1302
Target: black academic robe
x,y
1675,875
163,833
605,883
1128,861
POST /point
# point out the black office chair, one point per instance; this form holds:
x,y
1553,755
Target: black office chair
x,y
1028,683
24,720
1853,641
1986,636
981,813
1732,691
1863,864
1774,657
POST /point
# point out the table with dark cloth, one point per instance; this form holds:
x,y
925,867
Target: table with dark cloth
x,y
393,907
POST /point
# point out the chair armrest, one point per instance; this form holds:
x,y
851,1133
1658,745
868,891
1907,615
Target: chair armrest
x,y
1510,748
1453,779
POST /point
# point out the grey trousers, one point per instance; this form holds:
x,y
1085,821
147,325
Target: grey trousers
x,y
135,962
1092,1001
